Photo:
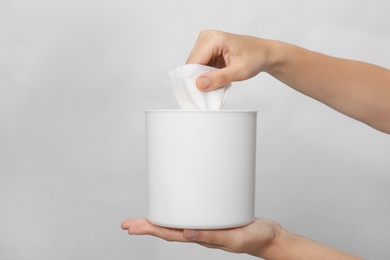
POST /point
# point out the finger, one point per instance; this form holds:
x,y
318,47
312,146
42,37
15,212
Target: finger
x,y
144,227
207,47
218,78
201,54
132,222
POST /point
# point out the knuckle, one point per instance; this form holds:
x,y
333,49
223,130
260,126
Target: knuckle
x,y
212,34
204,34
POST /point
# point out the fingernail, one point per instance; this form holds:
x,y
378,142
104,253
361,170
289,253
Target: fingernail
x,y
204,83
191,234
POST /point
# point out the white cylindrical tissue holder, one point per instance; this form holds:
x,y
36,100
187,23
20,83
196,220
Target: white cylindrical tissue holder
x,y
201,168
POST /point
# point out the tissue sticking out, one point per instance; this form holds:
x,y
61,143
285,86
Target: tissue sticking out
x,y
189,96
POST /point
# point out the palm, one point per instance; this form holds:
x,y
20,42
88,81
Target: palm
x,y
247,239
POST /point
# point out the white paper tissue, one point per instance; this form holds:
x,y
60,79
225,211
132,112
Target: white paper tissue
x,y
189,96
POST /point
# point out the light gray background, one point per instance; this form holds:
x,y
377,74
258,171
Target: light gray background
x,y
76,76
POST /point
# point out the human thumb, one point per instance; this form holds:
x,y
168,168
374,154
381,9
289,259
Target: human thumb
x,y
215,79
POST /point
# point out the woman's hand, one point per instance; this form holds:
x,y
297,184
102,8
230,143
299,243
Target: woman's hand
x,y
262,238
356,89
238,57
252,239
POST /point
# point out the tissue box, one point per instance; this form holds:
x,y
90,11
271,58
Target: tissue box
x,y
201,168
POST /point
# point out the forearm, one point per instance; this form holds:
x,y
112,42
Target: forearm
x,y
289,246
356,89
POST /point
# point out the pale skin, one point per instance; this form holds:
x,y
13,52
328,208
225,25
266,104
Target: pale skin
x,y
357,89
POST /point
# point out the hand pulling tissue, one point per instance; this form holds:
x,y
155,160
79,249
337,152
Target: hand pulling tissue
x,y
189,96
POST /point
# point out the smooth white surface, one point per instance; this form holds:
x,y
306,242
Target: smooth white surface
x,y
76,77
188,96
187,189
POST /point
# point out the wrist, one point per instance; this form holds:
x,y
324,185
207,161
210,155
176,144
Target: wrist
x,y
274,250
288,245
274,245
275,56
